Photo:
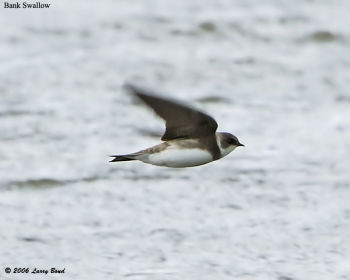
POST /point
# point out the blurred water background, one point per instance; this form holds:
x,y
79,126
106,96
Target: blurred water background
x,y
275,73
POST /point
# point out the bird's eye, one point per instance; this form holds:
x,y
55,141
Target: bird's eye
x,y
231,141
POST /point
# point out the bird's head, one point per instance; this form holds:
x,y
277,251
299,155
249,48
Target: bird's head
x,y
227,142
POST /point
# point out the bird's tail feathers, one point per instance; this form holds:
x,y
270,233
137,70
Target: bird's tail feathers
x,y
122,158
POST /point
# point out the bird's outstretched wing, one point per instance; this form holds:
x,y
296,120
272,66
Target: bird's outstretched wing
x,y
181,121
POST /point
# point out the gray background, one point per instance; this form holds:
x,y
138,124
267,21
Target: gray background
x,y
275,73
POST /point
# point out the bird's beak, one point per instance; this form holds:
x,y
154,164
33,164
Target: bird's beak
x,y
240,144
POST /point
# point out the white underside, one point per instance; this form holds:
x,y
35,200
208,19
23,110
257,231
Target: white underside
x,y
173,157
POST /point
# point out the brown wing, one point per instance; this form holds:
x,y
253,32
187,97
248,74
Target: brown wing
x,y
181,121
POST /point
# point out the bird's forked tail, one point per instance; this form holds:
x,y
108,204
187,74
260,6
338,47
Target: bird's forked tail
x,y
122,158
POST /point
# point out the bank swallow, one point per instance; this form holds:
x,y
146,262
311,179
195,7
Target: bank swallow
x,y
190,138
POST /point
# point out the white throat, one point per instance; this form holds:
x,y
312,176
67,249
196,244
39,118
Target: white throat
x,y
224,151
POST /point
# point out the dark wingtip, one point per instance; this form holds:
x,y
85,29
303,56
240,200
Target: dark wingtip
x,y
133,89
128,87
140,91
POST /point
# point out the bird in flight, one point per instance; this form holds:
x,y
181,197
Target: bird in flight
x,y
190,138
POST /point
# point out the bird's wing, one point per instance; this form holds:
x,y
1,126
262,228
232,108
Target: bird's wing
x,y
181,121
